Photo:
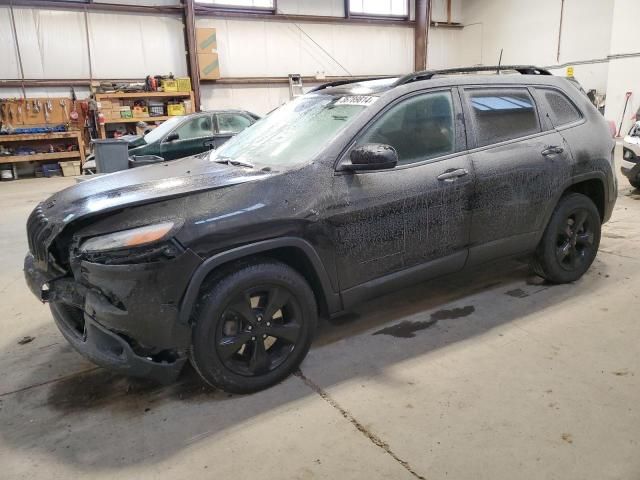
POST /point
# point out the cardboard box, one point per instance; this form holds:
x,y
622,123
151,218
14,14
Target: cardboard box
x,y
206,41
209,66
140,112
140,130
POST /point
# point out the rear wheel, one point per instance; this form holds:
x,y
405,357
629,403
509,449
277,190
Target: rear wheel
x,y
253,327
570,242
635,183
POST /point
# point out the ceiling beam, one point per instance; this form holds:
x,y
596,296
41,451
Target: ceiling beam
x,y
94,7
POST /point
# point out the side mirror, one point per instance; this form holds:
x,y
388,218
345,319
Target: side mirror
x,y
172,137
372,156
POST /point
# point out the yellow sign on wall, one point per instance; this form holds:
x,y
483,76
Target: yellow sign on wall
x,y
569,71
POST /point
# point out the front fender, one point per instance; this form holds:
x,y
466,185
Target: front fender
x,y
334,303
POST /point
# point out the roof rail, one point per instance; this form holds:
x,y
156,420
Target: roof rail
x,y
337,83
429,74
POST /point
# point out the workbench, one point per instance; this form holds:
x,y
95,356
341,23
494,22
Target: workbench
x,y
41,138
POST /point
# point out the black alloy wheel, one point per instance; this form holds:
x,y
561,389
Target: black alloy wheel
x,y
258,330
253,326
570,242
575,240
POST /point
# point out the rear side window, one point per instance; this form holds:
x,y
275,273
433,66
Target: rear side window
x,y
502,114
561,109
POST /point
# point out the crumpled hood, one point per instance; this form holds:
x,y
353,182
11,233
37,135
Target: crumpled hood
x,y
138,186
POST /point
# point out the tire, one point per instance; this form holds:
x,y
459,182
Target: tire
x,y
253,327
570,242
635,183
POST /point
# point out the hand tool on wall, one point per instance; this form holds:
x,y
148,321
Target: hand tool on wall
x,y
48,108
63,105
74,113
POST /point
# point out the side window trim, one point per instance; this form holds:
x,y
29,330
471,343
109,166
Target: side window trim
x,y
472,134
540,97
460,143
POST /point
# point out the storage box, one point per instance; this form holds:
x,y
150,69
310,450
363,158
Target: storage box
x,y
175,109
141,130
184,84
156,109
169,85
140,112
206,41
209,66
51,170
70,169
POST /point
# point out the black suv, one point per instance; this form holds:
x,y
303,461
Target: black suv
x,y
347,192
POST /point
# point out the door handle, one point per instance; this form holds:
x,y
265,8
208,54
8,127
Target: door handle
x,y
552,150
452,174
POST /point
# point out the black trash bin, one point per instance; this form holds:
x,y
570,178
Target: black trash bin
x,y
112,155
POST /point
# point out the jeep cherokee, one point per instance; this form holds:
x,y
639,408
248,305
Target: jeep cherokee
x,y
352,190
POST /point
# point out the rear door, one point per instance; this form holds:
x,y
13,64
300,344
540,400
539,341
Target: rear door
x,y
228,125
521,164
194,136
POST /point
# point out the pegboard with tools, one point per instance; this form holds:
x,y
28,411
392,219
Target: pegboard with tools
x,y
20,112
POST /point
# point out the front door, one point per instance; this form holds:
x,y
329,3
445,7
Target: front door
x,y
521,165
191,137
416,213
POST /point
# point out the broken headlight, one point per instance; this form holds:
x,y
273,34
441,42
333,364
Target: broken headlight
x,y
135,237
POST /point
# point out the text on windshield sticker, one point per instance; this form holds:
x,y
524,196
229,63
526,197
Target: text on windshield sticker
x,y
364,100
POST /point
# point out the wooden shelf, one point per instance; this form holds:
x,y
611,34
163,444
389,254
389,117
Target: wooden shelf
x,y
26,137
102,131
39,156
104,96
139,119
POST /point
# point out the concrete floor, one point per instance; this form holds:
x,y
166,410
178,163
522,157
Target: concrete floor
x,y
489,375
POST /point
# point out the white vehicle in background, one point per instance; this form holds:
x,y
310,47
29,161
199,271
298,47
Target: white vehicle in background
x,y
631,156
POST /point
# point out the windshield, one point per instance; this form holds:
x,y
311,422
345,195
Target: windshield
x,y
294,133
160,131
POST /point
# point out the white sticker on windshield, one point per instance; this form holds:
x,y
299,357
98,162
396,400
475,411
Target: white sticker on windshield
x,y
364,100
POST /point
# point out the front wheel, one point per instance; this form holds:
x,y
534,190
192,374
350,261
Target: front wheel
x,y
570,242
253,327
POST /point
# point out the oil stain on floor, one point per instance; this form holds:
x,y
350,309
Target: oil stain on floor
x,y
408,329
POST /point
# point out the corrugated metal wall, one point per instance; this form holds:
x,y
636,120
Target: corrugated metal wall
x,y
53,46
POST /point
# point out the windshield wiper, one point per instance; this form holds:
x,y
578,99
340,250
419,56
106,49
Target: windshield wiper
x,y
235,163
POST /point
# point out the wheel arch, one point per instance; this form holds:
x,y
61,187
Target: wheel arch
x,y
295,252
595,189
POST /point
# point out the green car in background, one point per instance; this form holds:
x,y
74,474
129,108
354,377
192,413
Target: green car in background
x,y
187,135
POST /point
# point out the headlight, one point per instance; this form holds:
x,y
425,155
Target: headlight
x,y
128,238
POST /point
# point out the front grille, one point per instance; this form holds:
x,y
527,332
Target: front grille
x,y
38,230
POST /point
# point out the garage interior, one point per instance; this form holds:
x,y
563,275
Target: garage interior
x,y
489,374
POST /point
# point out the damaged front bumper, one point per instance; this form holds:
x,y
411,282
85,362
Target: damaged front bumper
x,y
122,317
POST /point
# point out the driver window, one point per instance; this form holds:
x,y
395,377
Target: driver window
x,y
195,128
419,128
